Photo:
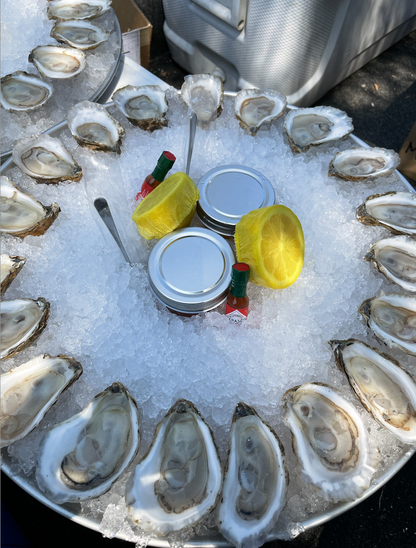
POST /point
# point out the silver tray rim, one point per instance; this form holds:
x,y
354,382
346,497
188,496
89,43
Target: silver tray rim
x,y
69,511
100,91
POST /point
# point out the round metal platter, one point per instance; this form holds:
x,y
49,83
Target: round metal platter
x,y
229,192
72,511
178,273
100,91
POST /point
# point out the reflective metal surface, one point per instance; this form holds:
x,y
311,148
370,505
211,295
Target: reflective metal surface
x,y
190,270
229,192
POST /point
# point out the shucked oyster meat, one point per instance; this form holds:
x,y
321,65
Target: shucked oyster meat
x,y
203,94
395,211
46,160
359,164
396,259
386,390
253,107
255,483
81,458
58,62
143,106
22,91
79,34
21,214
77,9
10,268
330,441
392,318
28,392
22,321
179,480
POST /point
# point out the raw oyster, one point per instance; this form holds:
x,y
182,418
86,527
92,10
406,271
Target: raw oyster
x,y
79,34
81,458
21,214
77,9
203,94
22,321
143,106
28,392
253,107
23,91
392,318
314,126
179,480
386,390
255,483
359,164
93,127
396,259
330,440
10,268
58,62
46,160
395,211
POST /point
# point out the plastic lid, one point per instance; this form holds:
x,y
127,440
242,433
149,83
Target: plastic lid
x,y
164,164
241,273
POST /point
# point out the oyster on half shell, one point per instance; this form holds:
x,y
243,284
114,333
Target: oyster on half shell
x,y
10,268
330,440
30,390
384,388
46,160
179,480
79,34
203,94
306,127
77,9
362,163
396,259
81,458
143,106
392,318
255,482
94,128
58,62
395,211
253,107
21,214
22,321
21,91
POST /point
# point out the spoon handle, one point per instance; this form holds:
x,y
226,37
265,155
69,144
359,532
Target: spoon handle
x,y
103,209
192,130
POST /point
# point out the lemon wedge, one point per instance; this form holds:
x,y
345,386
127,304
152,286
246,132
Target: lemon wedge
x,y
169,206
270,240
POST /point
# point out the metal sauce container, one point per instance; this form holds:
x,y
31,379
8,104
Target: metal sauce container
x,y
190,270
229,192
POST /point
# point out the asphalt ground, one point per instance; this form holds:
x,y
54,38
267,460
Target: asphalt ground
x,y
381,99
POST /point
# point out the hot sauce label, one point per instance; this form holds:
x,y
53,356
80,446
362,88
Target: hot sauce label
x,y
235,315
144,191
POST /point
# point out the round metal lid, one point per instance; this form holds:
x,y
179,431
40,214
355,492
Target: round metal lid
x,y
229,192
190,270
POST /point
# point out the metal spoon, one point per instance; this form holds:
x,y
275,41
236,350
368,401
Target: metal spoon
x,y
103,209
192,130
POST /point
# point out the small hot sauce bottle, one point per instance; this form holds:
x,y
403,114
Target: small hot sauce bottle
x,y
164,164
237,301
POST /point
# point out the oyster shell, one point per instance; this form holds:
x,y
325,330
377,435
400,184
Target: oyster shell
x,y
330,440
21,214
77,9
359,164
203,94
392,318
253,107
255,483
81,458
396,259
79,34
386,390
22,321
143,106
179,480
58,62
46,160
306,127
23,91
30,390
94,128
395,211
10,268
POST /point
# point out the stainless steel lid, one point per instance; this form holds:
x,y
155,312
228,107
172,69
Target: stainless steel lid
x,y
229,192
190,270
